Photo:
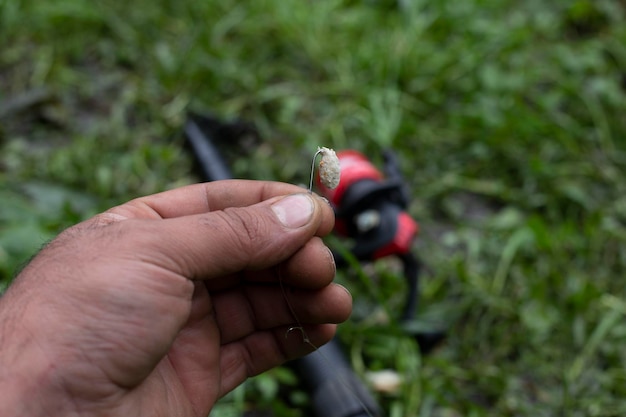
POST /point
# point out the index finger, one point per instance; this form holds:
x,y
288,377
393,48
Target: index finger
x,y
202,198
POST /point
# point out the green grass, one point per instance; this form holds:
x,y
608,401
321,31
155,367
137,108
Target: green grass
x,y
508,117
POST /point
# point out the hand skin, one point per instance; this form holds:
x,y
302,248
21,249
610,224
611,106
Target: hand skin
x,y
162,305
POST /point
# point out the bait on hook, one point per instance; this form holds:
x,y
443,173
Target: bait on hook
x,y
329,168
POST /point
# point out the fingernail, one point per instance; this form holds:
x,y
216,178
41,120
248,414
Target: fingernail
x,y
343,288
294,210
331,258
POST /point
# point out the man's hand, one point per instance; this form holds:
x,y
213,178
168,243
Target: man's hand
x,y
162,305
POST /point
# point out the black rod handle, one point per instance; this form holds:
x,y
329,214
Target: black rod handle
x,y
335,389
209,158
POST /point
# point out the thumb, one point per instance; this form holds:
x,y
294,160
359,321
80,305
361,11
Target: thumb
x,y
226,241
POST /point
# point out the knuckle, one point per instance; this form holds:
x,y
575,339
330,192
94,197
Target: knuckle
x,y
247,229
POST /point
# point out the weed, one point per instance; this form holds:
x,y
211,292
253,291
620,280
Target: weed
x,y
507,116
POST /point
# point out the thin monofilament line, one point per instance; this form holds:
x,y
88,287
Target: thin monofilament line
x,y
305,339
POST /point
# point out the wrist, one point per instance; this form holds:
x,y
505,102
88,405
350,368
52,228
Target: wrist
x,y
27,376
19,395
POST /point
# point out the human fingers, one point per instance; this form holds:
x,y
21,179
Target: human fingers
x,y
200,198
311,267
223,242
246,309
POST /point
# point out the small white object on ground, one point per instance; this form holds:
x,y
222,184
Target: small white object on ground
x,y
386,381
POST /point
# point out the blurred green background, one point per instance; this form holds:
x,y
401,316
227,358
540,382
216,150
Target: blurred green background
x,y
509,119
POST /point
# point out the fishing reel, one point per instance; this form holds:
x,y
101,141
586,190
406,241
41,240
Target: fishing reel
x,y
370,208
